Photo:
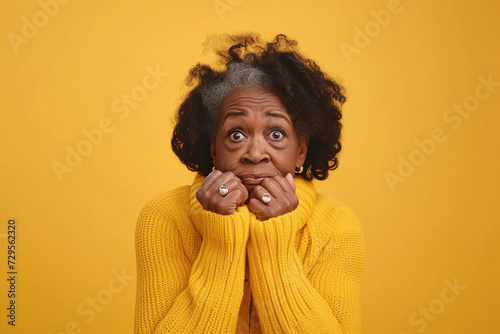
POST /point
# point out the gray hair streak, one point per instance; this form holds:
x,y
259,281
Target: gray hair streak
x,y
239,75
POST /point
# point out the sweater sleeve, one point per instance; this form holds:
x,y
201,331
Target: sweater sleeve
x,y
338,269
176,296
287,299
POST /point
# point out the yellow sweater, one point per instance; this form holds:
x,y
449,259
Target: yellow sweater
x,y
202,272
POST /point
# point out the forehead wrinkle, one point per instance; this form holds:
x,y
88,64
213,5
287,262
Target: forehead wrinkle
x,y
262,94
242,105
250,100
242,111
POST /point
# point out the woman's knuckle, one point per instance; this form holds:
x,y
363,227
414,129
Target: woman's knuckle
x,y
266,181
259,188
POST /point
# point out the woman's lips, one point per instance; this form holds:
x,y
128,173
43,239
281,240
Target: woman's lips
x,y
252,179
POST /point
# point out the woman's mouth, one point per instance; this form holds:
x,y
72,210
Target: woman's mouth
x,y
251,179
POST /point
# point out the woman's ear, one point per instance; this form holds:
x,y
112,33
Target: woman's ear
x,y
303,145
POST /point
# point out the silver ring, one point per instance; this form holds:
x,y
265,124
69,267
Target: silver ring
x,y
266,198
223,190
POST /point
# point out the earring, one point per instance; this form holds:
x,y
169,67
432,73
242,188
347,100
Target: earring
x,y
213,168
301,169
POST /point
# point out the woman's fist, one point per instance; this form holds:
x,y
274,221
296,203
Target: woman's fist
x,y
213,200
282,197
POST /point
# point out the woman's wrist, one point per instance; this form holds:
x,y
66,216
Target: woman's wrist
x,y
224,229
271,246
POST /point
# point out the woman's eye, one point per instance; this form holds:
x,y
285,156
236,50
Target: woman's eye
x,y
276,135
236,135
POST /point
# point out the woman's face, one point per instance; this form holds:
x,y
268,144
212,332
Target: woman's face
x,y
255,137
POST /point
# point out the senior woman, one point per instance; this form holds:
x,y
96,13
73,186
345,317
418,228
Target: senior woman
x,y
249,246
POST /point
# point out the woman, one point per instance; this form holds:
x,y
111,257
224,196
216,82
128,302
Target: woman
x,y
250,246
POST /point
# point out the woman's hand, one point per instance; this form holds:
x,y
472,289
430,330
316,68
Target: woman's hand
x,y
211,198
283,199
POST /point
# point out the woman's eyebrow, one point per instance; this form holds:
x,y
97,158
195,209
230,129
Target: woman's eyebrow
x,y
277,114
234,113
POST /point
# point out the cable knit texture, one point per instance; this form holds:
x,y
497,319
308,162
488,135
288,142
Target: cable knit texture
x,y
303,267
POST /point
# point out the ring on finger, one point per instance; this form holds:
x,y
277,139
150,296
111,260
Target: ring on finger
x,y
223,190
266,198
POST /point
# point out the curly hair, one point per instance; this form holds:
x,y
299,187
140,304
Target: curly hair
x,y
312,99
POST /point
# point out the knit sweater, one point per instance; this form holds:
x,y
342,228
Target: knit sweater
x,y
203,272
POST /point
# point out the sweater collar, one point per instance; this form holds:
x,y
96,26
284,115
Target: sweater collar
x,y
305,191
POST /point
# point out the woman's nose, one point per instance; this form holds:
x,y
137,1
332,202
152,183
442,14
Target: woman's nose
x,y
256,151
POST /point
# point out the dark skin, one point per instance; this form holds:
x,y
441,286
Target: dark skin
x,y
255,150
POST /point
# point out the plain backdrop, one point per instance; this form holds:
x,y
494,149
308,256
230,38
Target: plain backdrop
x,y
85,142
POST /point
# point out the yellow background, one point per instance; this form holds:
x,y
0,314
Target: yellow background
x,y
74,236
